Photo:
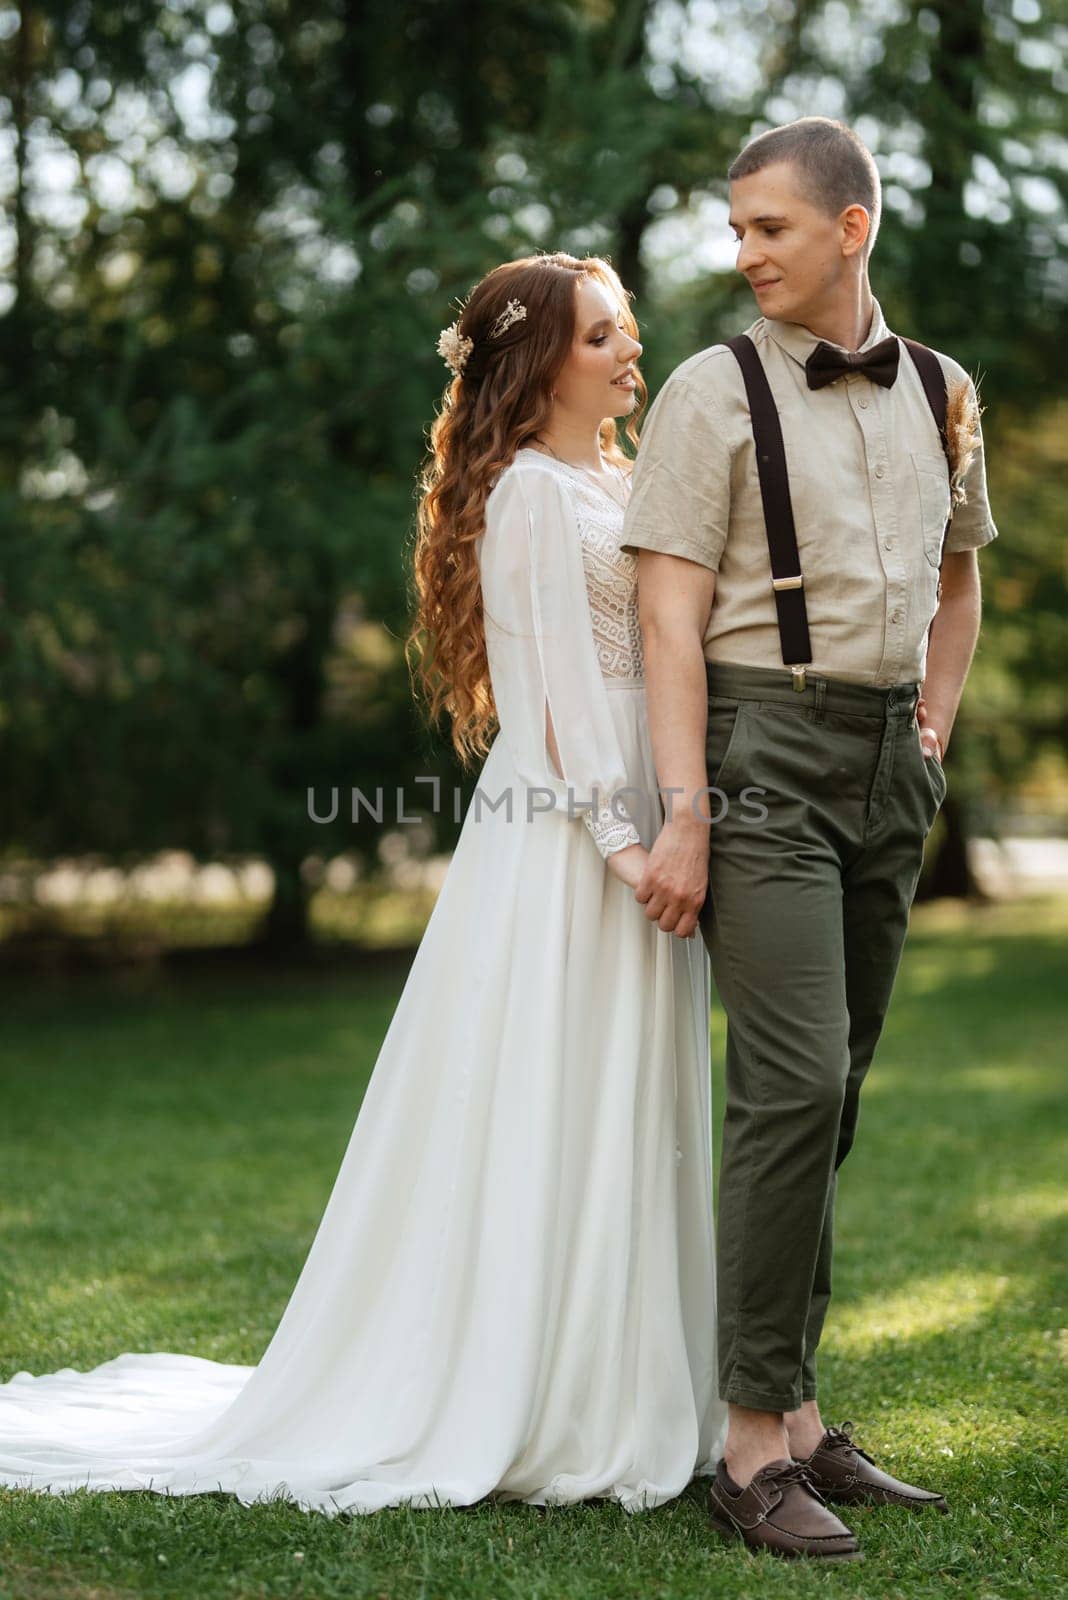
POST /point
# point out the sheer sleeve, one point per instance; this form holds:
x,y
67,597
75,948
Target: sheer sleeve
x,y
543,662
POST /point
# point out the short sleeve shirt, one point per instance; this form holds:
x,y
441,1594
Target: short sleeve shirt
x,y
869,488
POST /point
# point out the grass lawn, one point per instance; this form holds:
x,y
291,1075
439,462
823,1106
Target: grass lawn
x,y
167,1148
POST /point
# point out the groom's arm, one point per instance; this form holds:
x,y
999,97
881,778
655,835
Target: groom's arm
x,y
677,523
954,634
674,602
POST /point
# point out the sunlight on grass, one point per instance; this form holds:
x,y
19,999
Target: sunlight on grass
x,y
1045,1204
116,1290
936,1304
1007,1077
931,968
1038,915
980,1429
12,1216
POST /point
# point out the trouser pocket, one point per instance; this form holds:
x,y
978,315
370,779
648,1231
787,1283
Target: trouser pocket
x,y
723,743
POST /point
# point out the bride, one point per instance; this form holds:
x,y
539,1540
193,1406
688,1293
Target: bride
x,y
511,1292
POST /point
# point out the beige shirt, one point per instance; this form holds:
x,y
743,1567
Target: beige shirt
x,y
870,493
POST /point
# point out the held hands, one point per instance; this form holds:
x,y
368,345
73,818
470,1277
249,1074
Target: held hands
x,y
628,864
670,881
675,881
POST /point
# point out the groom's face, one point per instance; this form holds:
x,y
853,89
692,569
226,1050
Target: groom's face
x,y
790,251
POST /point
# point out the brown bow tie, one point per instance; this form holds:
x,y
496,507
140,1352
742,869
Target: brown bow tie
x,y
827,362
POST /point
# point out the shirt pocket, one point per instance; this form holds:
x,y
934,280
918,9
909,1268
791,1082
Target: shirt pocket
x,y
932,484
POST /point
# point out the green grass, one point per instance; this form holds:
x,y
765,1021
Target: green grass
x,y
168,1146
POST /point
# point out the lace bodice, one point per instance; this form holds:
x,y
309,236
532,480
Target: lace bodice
x,y
611,574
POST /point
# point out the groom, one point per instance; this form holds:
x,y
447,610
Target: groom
x,y
792,510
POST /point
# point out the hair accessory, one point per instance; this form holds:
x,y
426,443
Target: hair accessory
x,y
514,311
453,348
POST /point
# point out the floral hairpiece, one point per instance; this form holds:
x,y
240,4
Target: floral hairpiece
x,y
453,348
514,311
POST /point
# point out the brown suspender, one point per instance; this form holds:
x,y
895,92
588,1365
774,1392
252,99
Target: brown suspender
x,y
786,579
934,385
933,379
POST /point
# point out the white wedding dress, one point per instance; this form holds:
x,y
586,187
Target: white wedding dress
x,y
511,1292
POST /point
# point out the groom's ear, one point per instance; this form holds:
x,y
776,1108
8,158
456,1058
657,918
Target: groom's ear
x,y
855,226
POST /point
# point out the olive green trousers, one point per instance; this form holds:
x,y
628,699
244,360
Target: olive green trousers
x,y
825,800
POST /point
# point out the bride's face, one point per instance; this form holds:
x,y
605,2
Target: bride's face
x,y
597,379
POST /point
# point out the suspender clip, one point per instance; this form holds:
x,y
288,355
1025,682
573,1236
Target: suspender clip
x,y
797,582
799,679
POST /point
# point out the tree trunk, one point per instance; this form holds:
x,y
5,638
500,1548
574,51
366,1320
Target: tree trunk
x,y
285,928
949,114
950,874
303,672
20,90
626,54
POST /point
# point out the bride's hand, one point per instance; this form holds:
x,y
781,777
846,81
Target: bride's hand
x,y
628,864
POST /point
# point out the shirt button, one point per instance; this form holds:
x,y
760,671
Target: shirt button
x,y
879,471
888,544
862,403
895,616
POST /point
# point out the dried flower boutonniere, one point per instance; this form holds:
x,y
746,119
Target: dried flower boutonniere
x,y
962,434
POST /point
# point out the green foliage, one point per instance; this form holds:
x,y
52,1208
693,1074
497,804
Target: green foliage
x,y
224,347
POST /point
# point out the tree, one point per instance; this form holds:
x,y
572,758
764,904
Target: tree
x,y
225,333
232,370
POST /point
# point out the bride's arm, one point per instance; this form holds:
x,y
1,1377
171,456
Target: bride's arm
x,y
627,863
551,699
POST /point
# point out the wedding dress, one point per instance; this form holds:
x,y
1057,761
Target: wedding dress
x,y
511,1292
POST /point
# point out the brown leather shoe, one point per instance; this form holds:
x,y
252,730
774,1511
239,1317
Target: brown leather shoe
x,y
780,1511
843,1472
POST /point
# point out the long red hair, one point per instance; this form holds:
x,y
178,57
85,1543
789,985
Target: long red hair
x,y
498,404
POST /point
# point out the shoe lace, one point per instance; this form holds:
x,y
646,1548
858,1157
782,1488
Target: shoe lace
x,y
796,1472
842,1439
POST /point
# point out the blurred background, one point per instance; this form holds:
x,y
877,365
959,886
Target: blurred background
x,y
230,237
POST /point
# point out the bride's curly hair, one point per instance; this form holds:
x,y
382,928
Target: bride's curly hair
x,y
496,405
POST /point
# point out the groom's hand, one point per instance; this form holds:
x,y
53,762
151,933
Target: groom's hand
x,y
675,881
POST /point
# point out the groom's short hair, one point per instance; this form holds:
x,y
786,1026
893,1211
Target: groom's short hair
x,y
835,168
